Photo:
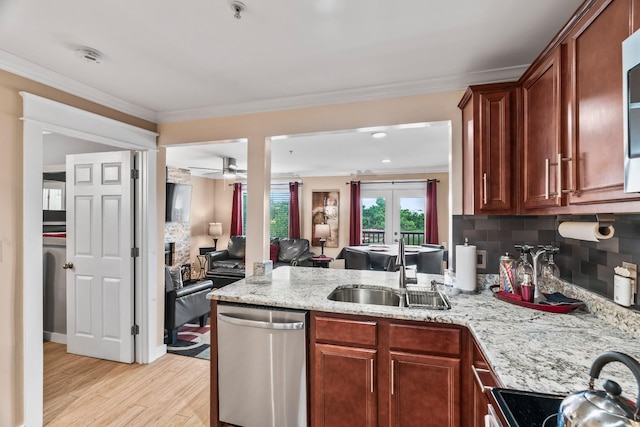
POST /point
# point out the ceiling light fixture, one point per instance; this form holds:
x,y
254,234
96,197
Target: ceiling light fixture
x,y
229,164
238,7
378,135
386,161
89,54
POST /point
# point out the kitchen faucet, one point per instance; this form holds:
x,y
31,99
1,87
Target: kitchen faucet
x,y
401,262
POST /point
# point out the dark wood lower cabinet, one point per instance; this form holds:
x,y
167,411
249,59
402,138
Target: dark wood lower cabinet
x,y
482,380
344,393
382,372
425,390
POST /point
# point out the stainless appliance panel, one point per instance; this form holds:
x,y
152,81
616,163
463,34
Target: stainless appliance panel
x,y
631,111
262,371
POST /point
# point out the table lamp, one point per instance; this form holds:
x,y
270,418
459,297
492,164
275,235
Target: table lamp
x,y
323,231
215,231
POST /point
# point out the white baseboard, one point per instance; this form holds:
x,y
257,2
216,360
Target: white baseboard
x,y
55,337
160,351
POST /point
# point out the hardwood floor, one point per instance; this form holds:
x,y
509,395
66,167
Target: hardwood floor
x,y
82,391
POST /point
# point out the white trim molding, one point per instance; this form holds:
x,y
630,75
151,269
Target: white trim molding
x,y
37,73
41,114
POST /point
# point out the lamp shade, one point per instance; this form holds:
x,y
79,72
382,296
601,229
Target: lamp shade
x,y
215,229
323,231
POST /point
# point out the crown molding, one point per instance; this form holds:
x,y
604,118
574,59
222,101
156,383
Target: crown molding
x,y
31,71
395,90
37,73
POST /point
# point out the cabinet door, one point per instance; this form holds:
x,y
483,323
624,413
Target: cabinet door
x,y
488,114
494,180
425,390
483,380
597,143
541,142
344,391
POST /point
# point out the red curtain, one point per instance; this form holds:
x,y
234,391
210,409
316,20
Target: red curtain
x,y
294,211
355,223
236,210
431,218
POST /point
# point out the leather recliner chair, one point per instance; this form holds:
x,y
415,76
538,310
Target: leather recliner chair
x,y
184,305
293,252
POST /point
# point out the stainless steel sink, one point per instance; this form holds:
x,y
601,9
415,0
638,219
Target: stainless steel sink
x,y
416,296
364,294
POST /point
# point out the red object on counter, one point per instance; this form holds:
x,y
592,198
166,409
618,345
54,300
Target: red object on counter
x,y
54,234
517,300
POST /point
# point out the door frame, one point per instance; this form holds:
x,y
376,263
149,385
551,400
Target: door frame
x,y
42,114
393,192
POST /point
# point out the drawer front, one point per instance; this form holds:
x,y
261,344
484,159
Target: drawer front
x,y
357,332
425,339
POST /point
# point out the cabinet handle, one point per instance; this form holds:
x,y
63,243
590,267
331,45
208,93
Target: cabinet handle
x,y
484,188
547,163
478,380
560,160
392,379
559,175
371,375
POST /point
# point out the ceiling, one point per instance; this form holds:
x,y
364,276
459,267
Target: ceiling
x,y
166,61
409,148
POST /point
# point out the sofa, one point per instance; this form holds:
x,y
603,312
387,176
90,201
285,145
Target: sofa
x,y
226,266
184,303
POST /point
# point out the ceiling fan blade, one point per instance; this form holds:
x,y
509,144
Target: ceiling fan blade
x,y
206,169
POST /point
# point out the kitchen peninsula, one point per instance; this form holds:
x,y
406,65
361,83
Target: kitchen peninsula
x,y
526,349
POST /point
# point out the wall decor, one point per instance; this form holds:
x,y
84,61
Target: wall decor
x,y
325,209
185,271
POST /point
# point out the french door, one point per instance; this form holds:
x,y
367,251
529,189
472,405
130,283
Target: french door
x,y
393,211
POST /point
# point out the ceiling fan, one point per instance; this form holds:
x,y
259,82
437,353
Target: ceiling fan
x,y
229,169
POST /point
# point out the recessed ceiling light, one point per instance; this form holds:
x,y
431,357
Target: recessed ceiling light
x,y
378,135
386,161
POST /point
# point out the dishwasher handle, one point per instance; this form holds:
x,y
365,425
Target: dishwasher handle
x,y
240,321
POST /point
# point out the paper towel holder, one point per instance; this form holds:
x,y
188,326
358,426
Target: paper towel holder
x,y
603,219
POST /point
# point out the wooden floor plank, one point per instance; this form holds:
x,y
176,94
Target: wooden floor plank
x,y
83,391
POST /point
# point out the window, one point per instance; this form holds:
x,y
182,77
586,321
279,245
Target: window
x,y
393,211
278,212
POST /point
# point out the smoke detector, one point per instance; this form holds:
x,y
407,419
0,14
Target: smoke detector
x,y
89,54
238,7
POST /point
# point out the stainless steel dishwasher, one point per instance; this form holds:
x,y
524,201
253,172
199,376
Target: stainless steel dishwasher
x,y
262,366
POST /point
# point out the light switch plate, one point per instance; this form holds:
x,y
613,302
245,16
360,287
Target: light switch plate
x,y
481,258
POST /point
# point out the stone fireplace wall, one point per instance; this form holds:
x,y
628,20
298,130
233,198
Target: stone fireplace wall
x,y
179,232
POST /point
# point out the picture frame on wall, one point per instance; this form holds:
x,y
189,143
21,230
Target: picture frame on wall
x,y
325,209
185,272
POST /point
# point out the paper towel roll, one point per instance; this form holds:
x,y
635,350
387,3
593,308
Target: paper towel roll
x,y
590,231
466,267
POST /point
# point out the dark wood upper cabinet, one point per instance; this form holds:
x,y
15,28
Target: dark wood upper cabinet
x,y
596,143
542,134
489,120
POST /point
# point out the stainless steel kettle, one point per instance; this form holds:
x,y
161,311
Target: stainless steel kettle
x,y
602,408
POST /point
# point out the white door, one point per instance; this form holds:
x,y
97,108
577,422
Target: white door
x,y
408,215
100,284
382,213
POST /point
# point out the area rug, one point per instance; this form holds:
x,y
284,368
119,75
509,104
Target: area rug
x,y
193,341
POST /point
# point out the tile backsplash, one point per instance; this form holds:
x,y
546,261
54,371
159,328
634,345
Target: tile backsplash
x,y
586,264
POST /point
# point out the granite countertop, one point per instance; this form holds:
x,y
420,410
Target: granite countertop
x,y
528,349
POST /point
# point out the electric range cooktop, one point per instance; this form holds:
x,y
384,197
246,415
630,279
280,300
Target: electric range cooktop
x,y
527,409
